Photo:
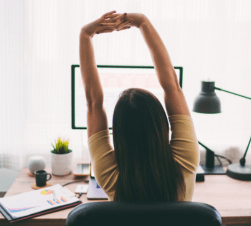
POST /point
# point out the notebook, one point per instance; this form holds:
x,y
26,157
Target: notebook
x,y
37,202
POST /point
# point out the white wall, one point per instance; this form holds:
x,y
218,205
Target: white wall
x,y
39,42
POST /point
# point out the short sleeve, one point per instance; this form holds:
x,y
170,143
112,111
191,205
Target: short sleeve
x,y
184,142
103,161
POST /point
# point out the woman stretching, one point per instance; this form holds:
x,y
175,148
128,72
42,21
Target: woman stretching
x,y
144,165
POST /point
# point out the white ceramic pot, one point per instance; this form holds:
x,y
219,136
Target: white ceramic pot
x,y
61,164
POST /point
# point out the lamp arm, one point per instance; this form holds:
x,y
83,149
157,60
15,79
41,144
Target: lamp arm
x,y
204,146
242,160
231,93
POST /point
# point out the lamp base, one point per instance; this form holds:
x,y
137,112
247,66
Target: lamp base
x,y
239,172
216,170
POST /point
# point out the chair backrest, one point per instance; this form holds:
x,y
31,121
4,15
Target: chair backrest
x,y
144,213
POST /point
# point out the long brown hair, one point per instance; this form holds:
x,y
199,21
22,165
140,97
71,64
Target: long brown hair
x,y
147,169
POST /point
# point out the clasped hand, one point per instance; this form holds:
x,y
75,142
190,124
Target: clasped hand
x,y
109,22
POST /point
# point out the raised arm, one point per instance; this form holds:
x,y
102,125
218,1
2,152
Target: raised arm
x,y
174,98
96,115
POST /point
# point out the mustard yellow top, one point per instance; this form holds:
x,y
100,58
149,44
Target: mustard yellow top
x,y
183,142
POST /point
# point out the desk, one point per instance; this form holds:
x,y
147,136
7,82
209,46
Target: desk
x,y
232,198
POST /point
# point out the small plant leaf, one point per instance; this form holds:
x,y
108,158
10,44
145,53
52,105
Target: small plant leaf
x,y
61,146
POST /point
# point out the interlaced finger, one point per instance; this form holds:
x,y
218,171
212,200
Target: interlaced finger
x,y
124,28
112,22
105,31
117,17
107,24
108,14
120,26
112,16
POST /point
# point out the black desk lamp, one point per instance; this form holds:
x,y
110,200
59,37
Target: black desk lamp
x,y
207,102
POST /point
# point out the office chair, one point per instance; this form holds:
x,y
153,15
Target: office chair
x,y
144,213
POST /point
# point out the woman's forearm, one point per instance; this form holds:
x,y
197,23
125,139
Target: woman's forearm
x,y
161,59
89,71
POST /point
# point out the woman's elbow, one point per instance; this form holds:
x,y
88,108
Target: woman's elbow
x,y
94,101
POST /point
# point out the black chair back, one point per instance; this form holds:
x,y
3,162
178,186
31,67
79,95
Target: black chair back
x,y
144,213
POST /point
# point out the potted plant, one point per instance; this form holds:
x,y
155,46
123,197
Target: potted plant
x,y
61,158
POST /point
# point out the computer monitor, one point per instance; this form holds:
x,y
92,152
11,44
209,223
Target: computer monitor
x,y
114,79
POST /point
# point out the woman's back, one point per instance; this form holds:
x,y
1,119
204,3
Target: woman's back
x,y
184,147
143,166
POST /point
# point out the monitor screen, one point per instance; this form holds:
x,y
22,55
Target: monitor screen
x,y
115,79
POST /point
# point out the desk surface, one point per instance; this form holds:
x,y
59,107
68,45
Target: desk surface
x,y
229,196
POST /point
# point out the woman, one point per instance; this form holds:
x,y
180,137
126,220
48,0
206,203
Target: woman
x,y
144,165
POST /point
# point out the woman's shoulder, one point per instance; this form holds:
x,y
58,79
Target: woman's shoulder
x,y
182,127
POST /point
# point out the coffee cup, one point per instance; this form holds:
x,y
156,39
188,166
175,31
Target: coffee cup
x,y
41,177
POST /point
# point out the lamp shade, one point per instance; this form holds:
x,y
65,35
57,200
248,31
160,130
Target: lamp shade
x,y
207,102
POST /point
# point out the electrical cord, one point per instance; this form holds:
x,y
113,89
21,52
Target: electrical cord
x,y
80,194
220,156
219,160
78,181
217,156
